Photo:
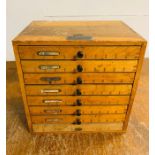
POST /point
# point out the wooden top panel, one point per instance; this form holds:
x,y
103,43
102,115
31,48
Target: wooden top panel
x,y
78,32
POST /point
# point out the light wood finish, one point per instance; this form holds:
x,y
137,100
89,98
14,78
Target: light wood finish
x,y
72,100
88,66
59,119
108,89
102,127
94,47
56,33
21,80
134,88
72,110
20,142
71,52
71,78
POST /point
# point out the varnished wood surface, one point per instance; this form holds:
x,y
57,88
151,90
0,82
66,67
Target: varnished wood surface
x,y
20,141
86,78
44,32
87,66
71,52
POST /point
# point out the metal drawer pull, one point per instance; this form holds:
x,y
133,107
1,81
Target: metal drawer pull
x,y
48,53
54,111
54,119
78,129
52,101
50,79
48,67
50,90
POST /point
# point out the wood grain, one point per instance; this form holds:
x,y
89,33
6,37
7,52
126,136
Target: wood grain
x,y
71,66
71,52
102,32
71,78
59,119
20,141
104,89
72,100
84,110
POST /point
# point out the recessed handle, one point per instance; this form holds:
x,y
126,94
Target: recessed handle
x,y
48,53
50,90
49,67
52,111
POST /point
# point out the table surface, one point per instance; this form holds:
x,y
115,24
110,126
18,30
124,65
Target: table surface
x,y
21,142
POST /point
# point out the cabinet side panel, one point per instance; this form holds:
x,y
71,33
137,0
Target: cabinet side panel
x,y
20,76
135,84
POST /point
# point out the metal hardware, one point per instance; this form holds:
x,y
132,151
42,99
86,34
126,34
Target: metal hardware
x,y
78,112
78,92
48,53
78,129
78,121
78,102
54,111
79,68
79,54
50,90
52,101
79,37
54,119
48,67
79,80
50,79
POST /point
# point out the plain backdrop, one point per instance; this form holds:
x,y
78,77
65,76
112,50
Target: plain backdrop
x,y
21,12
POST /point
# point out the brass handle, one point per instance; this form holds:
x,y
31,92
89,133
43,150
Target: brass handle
x,y
48,67
52,101
48,53
54,111
50,79
50,90
53,119
78,129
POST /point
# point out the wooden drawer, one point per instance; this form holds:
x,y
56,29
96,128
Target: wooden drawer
x,y
79,78
94,127
80,66
76,110
78,90
61,119
79,52
77,100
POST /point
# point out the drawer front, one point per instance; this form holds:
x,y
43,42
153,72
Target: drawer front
x,y
96,127
79,52
78,78
76,110
61,119
79,101
80,66
79,90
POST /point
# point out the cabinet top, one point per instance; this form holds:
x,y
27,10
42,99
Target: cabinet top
x,y
78,32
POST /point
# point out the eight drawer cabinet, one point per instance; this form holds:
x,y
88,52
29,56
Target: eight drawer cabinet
x,y
78,76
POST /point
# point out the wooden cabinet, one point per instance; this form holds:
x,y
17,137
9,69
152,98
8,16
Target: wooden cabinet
x,y
78,76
